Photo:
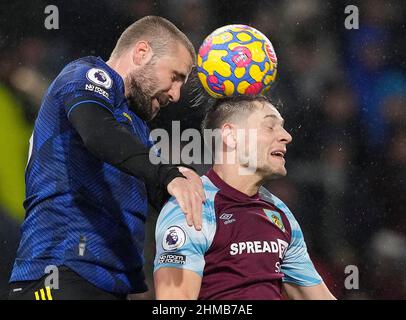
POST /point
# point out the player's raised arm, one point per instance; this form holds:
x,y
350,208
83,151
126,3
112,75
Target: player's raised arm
x,y
111,142
93,103
143,79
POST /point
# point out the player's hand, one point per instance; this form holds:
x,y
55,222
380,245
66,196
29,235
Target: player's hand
x,y
190,196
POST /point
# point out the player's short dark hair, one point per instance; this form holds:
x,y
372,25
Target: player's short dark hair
x,y
230,108
160,33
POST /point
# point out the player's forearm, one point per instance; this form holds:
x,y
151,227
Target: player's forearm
x,y
110,142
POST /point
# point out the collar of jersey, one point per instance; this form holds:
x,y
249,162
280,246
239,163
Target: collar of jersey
x,y
114,72
229,191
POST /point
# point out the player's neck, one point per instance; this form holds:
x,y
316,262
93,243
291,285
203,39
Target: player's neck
x,y
248,184
118,65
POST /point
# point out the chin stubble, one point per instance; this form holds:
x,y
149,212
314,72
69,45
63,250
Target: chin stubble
x,y
140,88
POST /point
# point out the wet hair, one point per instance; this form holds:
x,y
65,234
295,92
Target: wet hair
x,y
160,33
231,108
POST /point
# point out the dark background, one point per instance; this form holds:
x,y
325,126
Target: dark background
x,y
344,97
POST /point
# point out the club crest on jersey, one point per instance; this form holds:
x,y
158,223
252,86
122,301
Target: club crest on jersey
x,y
275,218
174,238
99,77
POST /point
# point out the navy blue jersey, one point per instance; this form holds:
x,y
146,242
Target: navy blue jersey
x,y
80,211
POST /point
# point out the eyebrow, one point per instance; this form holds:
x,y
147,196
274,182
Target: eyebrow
x,y
275,117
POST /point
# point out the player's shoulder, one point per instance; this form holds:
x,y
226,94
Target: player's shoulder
x,y
210,191
266,195
172,214
172,232
90,69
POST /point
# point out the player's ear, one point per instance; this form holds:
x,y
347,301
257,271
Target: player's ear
x,y
228,134
142,53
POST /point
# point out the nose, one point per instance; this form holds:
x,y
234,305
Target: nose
x,y
286,137
174,93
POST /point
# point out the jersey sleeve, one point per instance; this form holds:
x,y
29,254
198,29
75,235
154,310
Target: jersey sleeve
x,y
177,244
87,84
297,266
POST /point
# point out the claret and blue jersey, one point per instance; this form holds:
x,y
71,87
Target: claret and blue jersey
x,y
82,212
247,247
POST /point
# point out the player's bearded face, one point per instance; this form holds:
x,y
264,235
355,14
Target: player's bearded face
x,y
141,92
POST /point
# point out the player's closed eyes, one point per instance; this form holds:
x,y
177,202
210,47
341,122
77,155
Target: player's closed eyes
x,y
270,125
178,77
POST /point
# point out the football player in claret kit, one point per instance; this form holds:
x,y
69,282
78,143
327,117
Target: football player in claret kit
x,y
251,246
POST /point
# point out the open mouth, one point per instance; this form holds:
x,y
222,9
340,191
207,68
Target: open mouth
x,y
279,154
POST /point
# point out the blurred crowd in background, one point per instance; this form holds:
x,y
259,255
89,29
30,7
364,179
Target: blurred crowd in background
x,y
344,102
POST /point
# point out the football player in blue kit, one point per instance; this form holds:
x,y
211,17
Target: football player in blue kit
x,y
89,176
